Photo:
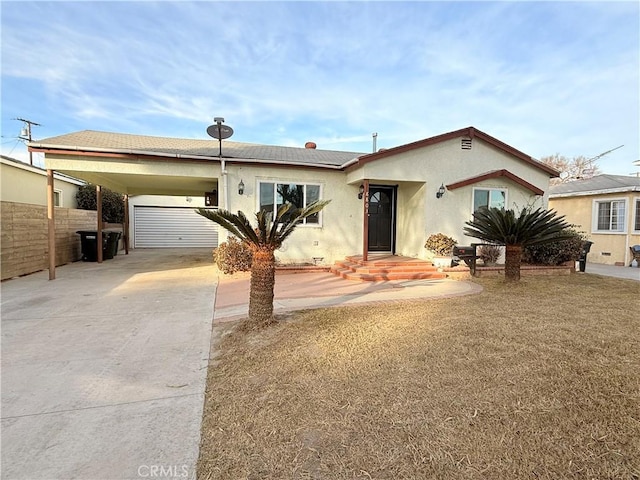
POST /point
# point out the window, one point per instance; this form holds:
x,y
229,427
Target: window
x,y
57,198
636,217
610,216
274,195
489,197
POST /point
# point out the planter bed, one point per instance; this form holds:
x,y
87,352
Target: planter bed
x,y
527,270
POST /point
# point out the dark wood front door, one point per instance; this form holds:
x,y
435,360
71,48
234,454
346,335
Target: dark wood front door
x,y
381,218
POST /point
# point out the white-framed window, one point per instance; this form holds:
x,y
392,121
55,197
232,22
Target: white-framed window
x,y
489,197
274,194
609,215
57,198
636,214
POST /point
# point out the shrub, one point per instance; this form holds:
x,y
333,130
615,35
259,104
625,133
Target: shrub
x,y
556,253
233,256
440,244
112,203
489,253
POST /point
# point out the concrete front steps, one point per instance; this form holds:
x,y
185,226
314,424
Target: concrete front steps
x,y
385,267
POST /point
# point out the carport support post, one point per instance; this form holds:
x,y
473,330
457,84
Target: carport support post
x,y
99,233
125,234
51,226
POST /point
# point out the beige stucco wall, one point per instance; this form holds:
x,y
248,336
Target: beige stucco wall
x,y
341,231
608,248
26,184
419,173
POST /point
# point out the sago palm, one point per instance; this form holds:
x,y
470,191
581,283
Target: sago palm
x,y
263,240
504,227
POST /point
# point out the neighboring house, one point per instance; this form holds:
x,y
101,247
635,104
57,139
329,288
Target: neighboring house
x,y
24,183
25,244
388,201
607,208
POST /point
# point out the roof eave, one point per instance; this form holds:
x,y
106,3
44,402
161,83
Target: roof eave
x,y
468,131
126,153
602,191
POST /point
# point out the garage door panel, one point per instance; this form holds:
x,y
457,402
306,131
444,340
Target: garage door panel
x,y
158,227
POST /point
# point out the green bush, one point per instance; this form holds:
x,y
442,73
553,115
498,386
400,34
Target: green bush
x,y
556,253
112,203
233,256
440,244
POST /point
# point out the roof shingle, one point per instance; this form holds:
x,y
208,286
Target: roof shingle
x,y
92,140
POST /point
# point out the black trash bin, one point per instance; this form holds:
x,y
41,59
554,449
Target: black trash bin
x,y
90,245
111,245
586,246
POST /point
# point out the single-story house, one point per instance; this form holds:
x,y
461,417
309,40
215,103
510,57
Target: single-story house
x,y
388,201
607,208
24,183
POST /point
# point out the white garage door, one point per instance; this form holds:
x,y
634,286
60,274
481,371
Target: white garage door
x,y
156,227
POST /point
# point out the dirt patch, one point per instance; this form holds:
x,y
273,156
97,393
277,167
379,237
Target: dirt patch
x,y
535,380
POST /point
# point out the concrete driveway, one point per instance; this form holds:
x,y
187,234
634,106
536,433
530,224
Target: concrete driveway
x,y
104,368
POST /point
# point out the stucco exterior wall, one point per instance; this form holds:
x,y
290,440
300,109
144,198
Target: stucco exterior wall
x,y
340,233
26,184
424,170
609,248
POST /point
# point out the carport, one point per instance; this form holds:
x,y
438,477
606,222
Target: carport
x,y
141,166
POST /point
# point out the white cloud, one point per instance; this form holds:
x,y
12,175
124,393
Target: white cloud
x,y
545,77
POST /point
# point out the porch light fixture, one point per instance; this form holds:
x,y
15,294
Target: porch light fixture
x,y
441,191
241,188
361,192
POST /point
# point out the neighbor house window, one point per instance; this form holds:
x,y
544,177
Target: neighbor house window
x,y
489,197
273,195
636,217
57,198
610,216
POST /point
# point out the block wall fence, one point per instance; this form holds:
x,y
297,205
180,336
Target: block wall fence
x,y
24,246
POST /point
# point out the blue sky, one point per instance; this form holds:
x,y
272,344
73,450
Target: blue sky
x,y
544,77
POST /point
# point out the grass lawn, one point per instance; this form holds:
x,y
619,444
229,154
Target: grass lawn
x,y
536,380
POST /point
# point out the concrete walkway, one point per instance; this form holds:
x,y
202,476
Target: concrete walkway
x,y
629,273
104,368
298,291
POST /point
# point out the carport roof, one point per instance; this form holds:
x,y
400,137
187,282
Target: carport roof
x,y
183,148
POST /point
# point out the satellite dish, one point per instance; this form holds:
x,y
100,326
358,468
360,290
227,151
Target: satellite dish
x,y
219,131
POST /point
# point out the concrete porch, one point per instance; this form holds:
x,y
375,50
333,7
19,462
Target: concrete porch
x,y
380,267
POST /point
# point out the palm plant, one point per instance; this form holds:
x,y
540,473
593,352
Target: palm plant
x,y
504,227
263,241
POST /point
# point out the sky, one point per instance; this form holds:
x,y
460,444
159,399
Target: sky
x,y
544,77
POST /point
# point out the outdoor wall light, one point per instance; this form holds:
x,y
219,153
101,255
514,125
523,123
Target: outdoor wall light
x,y
361,192
441,191
241,188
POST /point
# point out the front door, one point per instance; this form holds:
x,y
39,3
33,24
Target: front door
x,y
381,218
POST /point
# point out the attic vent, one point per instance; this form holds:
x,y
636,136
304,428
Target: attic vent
x,y
311,145
466,144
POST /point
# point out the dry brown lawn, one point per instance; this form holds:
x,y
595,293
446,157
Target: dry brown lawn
x,y
539,380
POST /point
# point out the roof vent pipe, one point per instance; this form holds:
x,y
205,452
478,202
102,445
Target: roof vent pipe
x,y
375,141
311,145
